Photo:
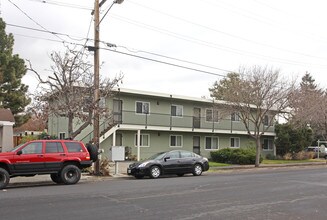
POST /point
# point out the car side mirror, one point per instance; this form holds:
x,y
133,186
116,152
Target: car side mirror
x,y
19,152
166,158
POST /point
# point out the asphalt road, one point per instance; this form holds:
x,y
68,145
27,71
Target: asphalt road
x,y
269,193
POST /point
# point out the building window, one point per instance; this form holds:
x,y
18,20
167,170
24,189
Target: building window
x,y
212,115
266,120
102,102
268,144
235,142
142,107
144,140
235,116
212,143
62,135
177,110
176,140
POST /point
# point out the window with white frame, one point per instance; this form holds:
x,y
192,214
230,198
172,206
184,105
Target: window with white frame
x,y
268,144
234,142
266,120
176,140
235,116
177,110
144,140
212,143
212,115
142,107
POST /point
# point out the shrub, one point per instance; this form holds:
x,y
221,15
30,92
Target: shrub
x,y
28,138
270,157
235,156
303,155
221,156
288,156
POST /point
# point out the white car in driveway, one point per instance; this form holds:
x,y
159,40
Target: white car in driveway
x,y
320,152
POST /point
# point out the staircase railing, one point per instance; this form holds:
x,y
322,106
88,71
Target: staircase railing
x,y
104,127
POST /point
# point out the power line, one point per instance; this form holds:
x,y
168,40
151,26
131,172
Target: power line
x,y
138,51
47,31
140,57
197,41
167,63
211,44
193,40
222,32
62,4
261,19
33,19
168,57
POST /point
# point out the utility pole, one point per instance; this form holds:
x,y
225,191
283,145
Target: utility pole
x,y
96,121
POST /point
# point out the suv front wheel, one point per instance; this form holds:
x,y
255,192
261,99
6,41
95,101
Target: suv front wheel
x,y
70,174
55,177
4,178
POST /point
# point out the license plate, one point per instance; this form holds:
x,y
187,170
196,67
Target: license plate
x,y
129,171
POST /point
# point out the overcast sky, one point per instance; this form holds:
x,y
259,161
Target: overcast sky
x,y
213,36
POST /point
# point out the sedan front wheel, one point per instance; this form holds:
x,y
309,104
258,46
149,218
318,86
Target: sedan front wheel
x,y
155,172
197,170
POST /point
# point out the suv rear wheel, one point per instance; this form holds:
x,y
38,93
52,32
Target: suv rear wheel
x,y
4,178
70,174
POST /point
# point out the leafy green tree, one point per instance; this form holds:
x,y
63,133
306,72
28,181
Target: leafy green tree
x,y
12,69
221,90
291,139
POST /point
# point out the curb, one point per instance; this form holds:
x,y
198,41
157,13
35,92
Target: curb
x,y
268,166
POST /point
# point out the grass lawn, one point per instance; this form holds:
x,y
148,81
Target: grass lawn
x,y
215,164
265,161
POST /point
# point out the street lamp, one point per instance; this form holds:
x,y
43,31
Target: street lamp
x,y
96,121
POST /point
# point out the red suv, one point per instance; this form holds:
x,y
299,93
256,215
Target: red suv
x,y
62,159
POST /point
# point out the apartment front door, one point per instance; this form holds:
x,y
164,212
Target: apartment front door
x,y
196,117
196,144
118,116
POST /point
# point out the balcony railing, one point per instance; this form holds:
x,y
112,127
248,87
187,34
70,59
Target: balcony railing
x,y
173,122
185,122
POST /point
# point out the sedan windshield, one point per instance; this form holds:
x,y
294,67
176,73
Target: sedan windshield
x,y
157,156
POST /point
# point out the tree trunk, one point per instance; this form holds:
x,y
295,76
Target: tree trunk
x,y
70,125
258,152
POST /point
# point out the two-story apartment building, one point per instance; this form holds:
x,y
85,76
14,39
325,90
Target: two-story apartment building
x,y
149,122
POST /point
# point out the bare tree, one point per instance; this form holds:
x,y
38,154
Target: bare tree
x,y
255,94
68,92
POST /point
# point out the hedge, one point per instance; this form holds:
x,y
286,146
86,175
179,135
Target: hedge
x,y
240,156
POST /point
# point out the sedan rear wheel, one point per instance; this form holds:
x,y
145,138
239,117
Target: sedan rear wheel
x,y
197,170
155,172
